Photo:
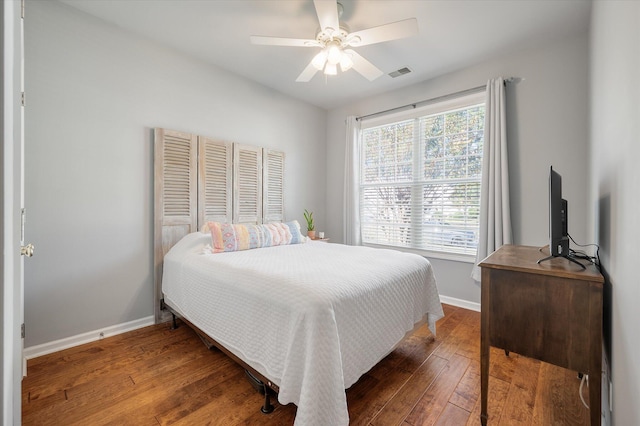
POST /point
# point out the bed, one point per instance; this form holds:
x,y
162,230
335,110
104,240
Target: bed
x,y
310,317
306,319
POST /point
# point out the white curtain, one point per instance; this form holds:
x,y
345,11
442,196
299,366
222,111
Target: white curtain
x,y
351,219
495,214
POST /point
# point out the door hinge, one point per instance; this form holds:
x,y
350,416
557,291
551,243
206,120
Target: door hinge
x,y
22,8
22,332
23,220
23,100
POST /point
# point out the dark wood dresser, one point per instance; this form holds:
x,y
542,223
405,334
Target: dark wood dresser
x,y
550,311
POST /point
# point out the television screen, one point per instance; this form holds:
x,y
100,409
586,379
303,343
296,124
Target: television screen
x,y
558,217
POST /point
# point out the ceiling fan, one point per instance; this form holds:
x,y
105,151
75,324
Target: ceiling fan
x,y
335,42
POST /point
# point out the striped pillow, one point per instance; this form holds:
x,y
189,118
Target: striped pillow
x,y
230,237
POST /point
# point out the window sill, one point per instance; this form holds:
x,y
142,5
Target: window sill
x,y
465,258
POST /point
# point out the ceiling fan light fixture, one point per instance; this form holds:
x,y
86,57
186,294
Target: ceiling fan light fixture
x,y
334,53
336,40
345,62
330,69
319,60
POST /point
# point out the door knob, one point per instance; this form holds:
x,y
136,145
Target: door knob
x,y
27,250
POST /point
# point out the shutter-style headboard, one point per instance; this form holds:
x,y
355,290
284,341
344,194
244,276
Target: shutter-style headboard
x,y
175,204
273,186
247,184
214,181
199,179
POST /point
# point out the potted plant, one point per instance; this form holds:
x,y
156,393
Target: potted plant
x,y
311,230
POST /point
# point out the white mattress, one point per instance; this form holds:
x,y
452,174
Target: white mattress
x,y
311,317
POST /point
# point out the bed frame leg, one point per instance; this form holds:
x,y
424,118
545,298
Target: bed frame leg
x,y
175,323
267,407
262,388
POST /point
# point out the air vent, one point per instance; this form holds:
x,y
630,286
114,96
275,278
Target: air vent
x,y
398,73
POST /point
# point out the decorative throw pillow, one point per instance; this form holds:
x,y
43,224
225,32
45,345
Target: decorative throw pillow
x,y
229,237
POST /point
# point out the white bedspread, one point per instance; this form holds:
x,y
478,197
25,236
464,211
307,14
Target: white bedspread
x,y
311,317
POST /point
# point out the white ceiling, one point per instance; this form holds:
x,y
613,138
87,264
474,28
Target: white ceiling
x,y
454,34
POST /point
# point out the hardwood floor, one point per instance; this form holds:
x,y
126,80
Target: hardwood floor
x,y
160,376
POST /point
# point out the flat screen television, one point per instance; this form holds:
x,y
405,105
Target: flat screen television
x,y
558,217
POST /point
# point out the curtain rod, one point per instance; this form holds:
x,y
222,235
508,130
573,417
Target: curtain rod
x,y
437,99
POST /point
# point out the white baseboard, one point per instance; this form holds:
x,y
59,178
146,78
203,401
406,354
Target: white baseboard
x,y
473,306
91,336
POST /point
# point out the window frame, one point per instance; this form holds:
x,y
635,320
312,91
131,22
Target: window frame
x,y
432,108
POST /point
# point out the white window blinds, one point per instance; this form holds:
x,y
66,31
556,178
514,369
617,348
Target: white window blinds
x,y
420,177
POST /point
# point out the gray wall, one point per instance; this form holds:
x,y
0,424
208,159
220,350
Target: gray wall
x,y
95,94
547,118
615,189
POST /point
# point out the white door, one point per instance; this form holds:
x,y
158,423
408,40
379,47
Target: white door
x,y
12,297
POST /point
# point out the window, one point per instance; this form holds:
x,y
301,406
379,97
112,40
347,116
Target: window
x,y
420,178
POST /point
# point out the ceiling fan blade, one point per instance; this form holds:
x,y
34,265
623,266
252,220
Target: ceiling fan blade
x,y
327,11
364,67
307,74
281,41
387,32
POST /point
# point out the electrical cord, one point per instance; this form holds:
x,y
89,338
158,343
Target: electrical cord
x,y
582,255
585,377
596,261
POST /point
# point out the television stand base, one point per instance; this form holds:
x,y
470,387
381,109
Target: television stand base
x,y
565,257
